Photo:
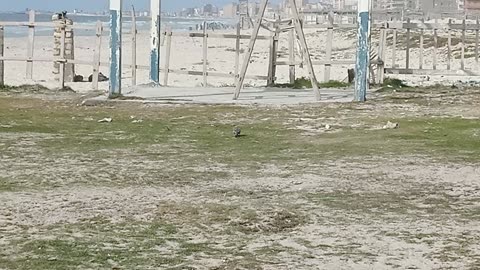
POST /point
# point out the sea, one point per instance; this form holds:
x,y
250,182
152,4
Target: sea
x,y
143,23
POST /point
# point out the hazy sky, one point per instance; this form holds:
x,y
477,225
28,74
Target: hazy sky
x,y
97,5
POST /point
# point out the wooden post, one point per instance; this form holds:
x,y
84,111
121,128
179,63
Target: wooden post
x,y
155,35
205,54
328,51
362,61
420,65
96,56
477,39
462,60
237,51
435,46
407,57
2,48
291,52
394,49
62,57
272,64
449,45
31,43
168,40
248,55
134,47
115,48
381,54
305,51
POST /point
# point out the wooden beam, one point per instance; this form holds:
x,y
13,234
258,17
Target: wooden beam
x,y
134,47
248,55
205,54
449,46
2,51
407,57
420,63
291,55
31,43
62,56
237,51
96,55
168,53
328,50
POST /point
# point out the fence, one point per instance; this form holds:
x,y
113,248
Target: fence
x,y
390,36
431,32
30,58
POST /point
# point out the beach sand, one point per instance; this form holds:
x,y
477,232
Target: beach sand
x,y
187,55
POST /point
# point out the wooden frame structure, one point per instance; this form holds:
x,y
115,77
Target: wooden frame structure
x,y
301,36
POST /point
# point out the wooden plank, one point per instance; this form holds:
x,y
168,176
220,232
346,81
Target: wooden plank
x,y
477,39
248,55
303,42
291,55
381,54
449,46
115,86
168,47
431,26
31,43
134,47
407,57
96,55
394,49
62,56
2,51
237,51
333,62
273,56
214,35
462,60
215,74
328,50
433,72
205,54
435,48
420,63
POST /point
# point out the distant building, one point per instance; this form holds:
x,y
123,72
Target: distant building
x,y
230,10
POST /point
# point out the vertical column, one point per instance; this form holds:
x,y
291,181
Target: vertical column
x,y
31,40
155,11
115,47
362,62
134,47
2,46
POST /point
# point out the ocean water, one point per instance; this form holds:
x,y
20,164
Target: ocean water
x,y
143,23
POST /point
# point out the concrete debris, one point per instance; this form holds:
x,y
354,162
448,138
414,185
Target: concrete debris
x,y
391,125
105,120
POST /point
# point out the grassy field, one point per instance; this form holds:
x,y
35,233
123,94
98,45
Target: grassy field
x,y
306,187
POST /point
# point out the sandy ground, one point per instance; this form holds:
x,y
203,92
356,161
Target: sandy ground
x,y
187,55
193,200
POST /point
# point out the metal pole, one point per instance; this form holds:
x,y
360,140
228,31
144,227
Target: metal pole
x,y
362,62
115,47
155,11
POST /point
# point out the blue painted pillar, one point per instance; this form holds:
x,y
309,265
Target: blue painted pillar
x,y
115,47
363,52
155,11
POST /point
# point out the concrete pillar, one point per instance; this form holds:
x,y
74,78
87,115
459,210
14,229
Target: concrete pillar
x,y
69,48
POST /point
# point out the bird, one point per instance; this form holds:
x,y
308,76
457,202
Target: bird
x,y
236,132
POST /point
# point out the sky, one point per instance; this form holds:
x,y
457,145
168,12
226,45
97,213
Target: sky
x,y
99,5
